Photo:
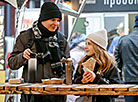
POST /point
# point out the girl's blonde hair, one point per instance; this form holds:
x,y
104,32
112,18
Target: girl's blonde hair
x,y
103,58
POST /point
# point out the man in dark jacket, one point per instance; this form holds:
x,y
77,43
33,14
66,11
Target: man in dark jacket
x,y
126,54
48,44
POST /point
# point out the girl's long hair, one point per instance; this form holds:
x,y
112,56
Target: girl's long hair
x,y
103,58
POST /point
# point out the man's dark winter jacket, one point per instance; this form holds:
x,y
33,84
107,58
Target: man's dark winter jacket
x,y
126,54
16,59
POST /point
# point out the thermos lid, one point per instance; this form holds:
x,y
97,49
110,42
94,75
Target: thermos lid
x,y
32,55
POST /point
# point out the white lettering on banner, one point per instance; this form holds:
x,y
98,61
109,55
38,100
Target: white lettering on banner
x,y
136,1
118,2
111,3
124,2
130,2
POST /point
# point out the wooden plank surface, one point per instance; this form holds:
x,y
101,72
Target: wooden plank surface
x,y
134,88
74,89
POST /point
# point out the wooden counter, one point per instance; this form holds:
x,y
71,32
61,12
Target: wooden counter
x,y
2,80
74,89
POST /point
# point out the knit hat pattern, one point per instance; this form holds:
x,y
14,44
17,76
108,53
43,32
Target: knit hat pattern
x,y
48,11
99,38
136,21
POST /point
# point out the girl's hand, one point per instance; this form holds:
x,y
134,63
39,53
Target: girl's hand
x,y
88,77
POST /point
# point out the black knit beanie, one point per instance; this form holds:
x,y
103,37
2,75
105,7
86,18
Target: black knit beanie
x,y
48,11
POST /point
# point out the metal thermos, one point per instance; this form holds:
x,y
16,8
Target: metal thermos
x,y
32,68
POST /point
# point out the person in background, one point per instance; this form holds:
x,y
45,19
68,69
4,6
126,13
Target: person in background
x,y
111,35
77,51
101,68
120,31
126,54
48,44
